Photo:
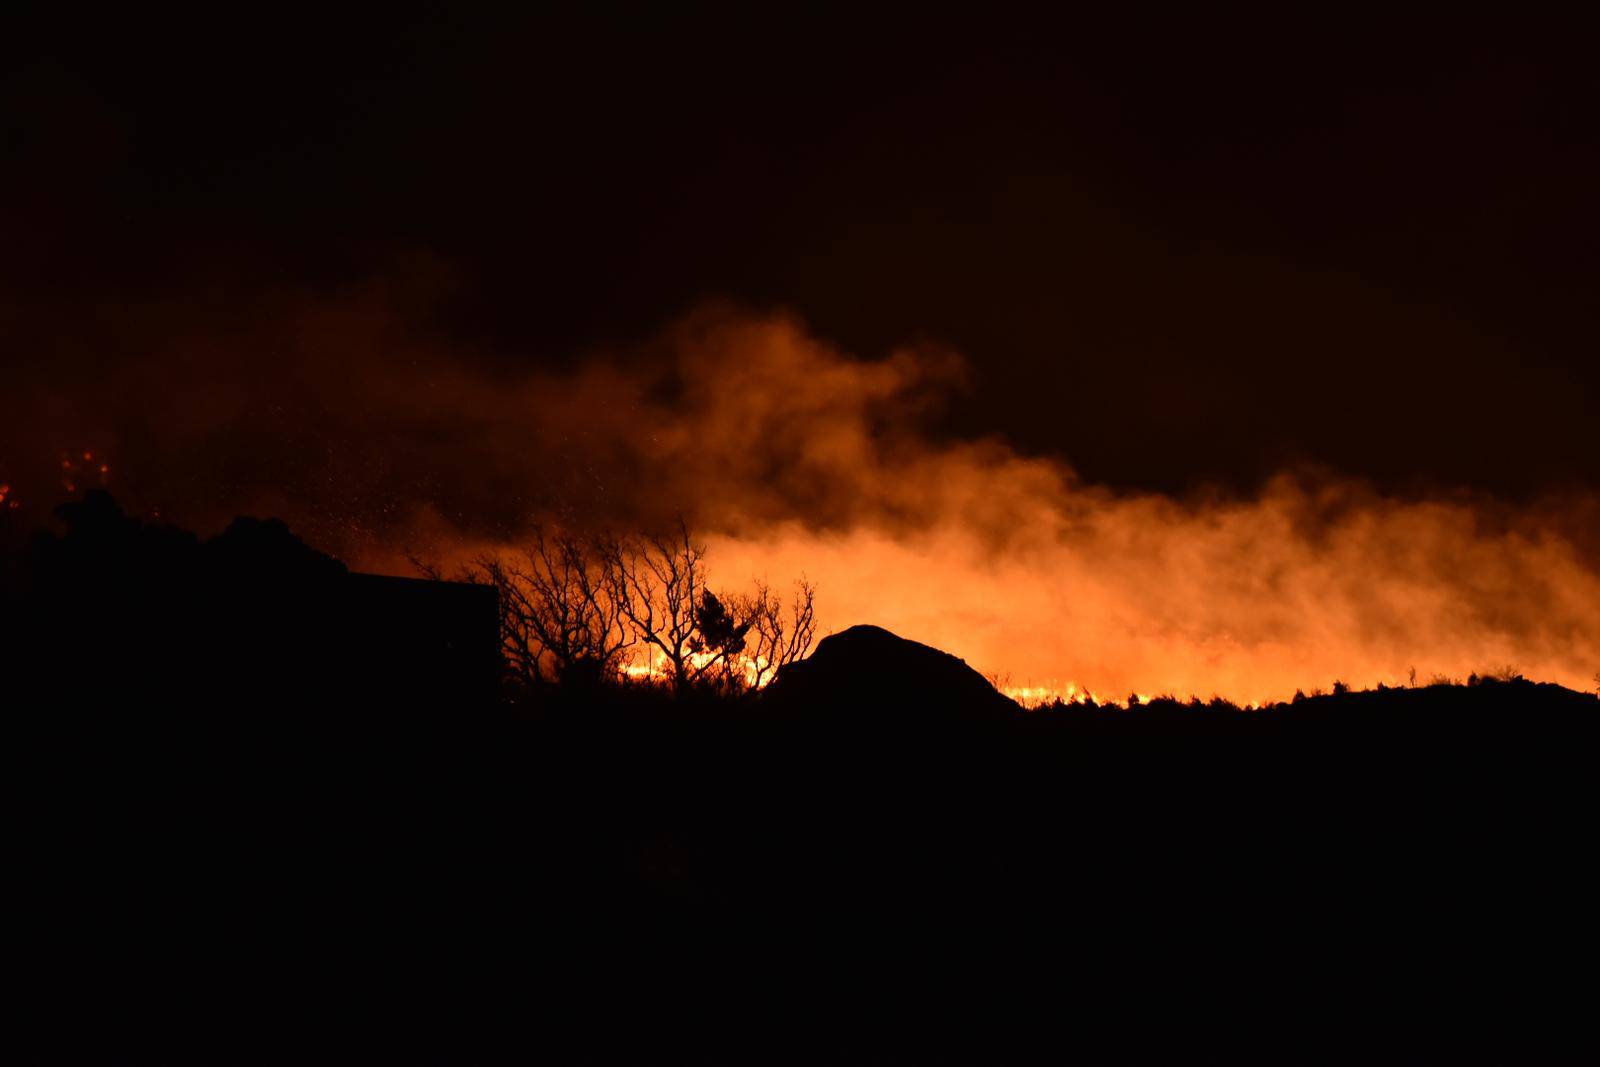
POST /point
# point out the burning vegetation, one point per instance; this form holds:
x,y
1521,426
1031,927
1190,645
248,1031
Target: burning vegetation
x,y
788,456
585,610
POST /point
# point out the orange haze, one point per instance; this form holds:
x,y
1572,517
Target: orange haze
x,y
789,456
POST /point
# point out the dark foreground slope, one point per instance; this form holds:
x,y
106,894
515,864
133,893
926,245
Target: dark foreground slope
x,y
859,873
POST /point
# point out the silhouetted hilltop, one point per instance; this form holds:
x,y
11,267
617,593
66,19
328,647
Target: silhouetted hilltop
x,y
112,609
282,792
868,670
264,551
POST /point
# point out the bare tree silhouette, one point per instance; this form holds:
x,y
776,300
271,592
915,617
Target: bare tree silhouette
x,y
562,616
577,609
660,582
783,634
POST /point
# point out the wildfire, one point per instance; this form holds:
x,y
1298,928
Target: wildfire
x,y
1038,696
790,457
757,672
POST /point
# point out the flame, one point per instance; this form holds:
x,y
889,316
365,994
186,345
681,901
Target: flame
x,y
1056,692
655,671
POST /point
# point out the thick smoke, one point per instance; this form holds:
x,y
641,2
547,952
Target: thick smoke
x,y
790,456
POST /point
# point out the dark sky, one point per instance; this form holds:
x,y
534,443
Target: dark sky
x,y
1173,252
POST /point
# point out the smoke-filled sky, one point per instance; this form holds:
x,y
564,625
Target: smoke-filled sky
x,y
1225,355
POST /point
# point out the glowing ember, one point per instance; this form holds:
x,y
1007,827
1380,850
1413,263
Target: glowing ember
x,y
79,470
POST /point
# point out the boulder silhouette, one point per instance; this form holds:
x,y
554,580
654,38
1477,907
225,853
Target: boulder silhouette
x,y
868,670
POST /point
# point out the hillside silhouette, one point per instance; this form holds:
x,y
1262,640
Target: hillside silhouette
x,y
264,798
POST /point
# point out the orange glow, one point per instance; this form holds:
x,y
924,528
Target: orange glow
x,y
1207,604
656,671
790,457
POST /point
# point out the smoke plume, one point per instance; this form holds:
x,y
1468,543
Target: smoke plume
x,y
376,438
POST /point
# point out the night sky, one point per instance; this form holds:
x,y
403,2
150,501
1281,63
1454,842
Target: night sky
x,y
1173,253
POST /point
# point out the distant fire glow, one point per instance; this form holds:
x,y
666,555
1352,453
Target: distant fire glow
x,y
788,457
793,458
